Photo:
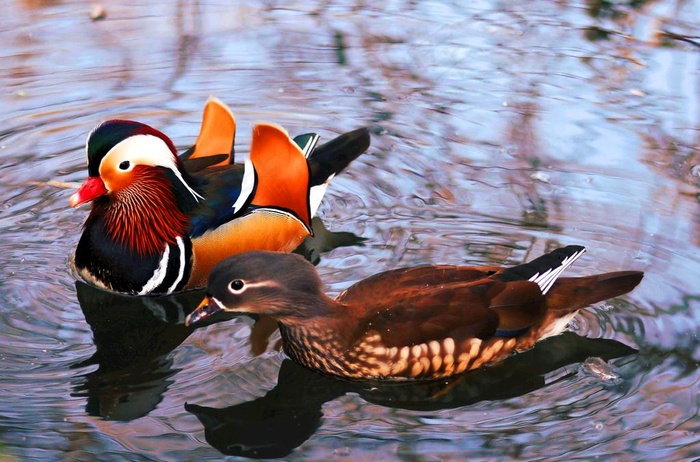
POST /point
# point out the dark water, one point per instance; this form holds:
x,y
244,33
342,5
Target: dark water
x,y
500,130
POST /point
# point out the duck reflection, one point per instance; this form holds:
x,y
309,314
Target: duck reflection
x,y
275,424
134,337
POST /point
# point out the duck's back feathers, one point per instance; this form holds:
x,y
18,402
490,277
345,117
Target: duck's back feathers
x,y
408,280
200,164
415,317
275,177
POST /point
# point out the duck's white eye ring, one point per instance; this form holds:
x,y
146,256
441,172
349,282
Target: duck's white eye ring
x,y
236,286
124,165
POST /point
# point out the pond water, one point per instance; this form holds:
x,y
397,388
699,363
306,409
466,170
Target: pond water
x,y
499,130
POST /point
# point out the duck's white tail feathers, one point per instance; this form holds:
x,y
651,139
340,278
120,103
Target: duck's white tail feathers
x,y
544,270
547,278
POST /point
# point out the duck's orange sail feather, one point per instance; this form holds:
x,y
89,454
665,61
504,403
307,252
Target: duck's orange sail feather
x,y
282,172
218,132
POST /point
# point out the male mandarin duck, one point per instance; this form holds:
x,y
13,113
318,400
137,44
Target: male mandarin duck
x,y
424,322
160,222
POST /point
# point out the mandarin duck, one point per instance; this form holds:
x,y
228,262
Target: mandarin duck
x,y
159,222
424,322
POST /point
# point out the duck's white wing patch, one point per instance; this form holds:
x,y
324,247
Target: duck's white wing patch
x,y
546,279
316,194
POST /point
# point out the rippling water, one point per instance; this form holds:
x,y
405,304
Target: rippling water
x,y
499,131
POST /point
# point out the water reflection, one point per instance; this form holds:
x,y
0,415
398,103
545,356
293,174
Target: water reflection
x,y
275,424
133,337
188,20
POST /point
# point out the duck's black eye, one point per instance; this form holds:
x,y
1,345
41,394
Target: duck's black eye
x,y
124,165
236,285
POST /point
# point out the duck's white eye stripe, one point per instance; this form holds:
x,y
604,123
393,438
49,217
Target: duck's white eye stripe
x,y
146,150
246,285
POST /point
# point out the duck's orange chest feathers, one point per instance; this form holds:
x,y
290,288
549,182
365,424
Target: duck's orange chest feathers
x,y
274,231
145,215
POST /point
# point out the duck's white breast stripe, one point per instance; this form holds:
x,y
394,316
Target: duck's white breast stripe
x,y
181,268
159,274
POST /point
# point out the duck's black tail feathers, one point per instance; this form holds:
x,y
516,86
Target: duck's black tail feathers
x,y
332,157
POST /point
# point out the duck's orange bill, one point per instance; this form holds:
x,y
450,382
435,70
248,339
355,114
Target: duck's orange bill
x,y
205,309
93,188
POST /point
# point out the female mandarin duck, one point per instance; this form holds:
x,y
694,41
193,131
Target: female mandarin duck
x,y
160,222
417,323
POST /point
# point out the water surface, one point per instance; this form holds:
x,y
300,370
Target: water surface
x,y
499,131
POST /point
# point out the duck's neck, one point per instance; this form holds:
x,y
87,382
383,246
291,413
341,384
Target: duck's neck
x,y
143,218
302,307
320,338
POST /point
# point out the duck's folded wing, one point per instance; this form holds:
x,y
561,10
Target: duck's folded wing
x,y
222,188
374,289
458,310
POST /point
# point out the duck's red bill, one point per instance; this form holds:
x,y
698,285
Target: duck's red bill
x,y
93,188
